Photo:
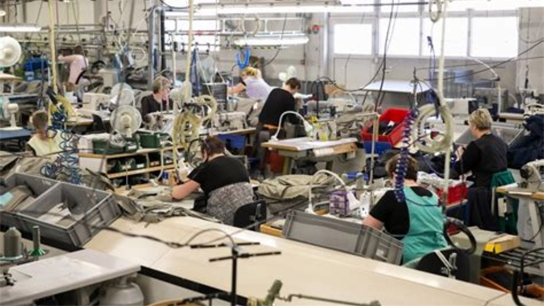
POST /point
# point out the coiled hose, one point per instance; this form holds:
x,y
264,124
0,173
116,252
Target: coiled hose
x,y
402,164
242,64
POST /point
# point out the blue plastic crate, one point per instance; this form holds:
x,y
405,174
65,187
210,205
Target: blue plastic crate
x,y
379,149
234,141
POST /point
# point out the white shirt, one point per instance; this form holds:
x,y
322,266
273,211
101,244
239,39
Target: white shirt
x,y
46,147
77,62
257,88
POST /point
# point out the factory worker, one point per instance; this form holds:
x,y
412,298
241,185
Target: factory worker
x,y
44,142
78,64
224,180
159,100
484,156
417,221
253,84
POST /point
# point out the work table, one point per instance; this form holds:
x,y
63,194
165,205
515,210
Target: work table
x,y
303,269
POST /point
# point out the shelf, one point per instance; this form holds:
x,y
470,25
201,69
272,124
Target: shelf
x,y
140,171
112,156
515,257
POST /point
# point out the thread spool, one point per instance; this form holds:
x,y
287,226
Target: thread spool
x,y
36,237
13,247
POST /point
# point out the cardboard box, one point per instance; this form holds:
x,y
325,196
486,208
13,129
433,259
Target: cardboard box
x,y
502,244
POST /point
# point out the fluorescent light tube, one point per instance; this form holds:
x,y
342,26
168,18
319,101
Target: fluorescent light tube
x,y
272,41
274,9
19,28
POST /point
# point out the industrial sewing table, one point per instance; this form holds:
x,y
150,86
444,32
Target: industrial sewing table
x,y
527,211
307,148
303,268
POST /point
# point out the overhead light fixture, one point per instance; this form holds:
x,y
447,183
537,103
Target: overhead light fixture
x,y
13,28
215,9
276,40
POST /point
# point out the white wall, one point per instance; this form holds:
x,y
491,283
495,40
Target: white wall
x,y
308,59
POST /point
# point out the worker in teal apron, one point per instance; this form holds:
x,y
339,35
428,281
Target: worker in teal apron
x,y
414,218
425,233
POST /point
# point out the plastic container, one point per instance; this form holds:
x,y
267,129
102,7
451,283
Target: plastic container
x,y
37,186
89,210
397,115
379,148
342,236
456,194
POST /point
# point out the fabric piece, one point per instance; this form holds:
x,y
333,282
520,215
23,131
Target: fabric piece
x,y
426,226
219,172
484,157
530,147
15,198
223,202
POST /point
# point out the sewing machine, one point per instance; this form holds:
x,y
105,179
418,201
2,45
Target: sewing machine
x,y
95,101
531,173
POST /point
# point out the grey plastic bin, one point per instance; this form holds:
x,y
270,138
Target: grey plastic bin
x,y
343,236
96,208
38,185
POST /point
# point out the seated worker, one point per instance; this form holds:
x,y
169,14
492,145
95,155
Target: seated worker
x,y
159,100
253,84
44,142
484,156
224,180
417,221
78,64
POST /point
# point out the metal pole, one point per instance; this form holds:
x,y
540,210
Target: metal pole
x,y
52,45
234,275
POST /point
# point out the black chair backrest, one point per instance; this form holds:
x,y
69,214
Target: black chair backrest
x,y
249,214
430,263
98,125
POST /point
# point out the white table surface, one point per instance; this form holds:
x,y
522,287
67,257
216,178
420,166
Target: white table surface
x,y
63,273
304,269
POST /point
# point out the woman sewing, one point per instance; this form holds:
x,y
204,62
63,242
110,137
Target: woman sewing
x,y
253,85
417,221
224,180
484,156
158,101
45,142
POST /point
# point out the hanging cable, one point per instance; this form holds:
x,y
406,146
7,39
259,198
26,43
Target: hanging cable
x,y
243,63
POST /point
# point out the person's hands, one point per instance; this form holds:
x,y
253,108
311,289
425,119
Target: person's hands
x,y
459,152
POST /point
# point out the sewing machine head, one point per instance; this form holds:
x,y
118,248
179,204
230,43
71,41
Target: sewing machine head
x,y
531,173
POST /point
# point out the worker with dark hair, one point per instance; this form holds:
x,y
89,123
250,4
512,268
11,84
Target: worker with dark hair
x,y
78,64
224,180
417,221
159,100
279,101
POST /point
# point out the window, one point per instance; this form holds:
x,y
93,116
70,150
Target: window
x,y
503,5
456,36
403,36
494,37
203,32
344,42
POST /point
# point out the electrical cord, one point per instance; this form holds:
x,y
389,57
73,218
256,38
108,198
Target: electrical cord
x,y
280,47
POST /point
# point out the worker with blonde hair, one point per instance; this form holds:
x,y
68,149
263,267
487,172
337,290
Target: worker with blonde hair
x,y
45,142
253,84
159,100
484,156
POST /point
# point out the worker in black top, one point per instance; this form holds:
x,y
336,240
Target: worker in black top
x,y
224,180
159,100
417,220
484,156
279,101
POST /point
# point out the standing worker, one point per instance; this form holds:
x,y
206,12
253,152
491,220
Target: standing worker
x,y
484,156
78,64
253,84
